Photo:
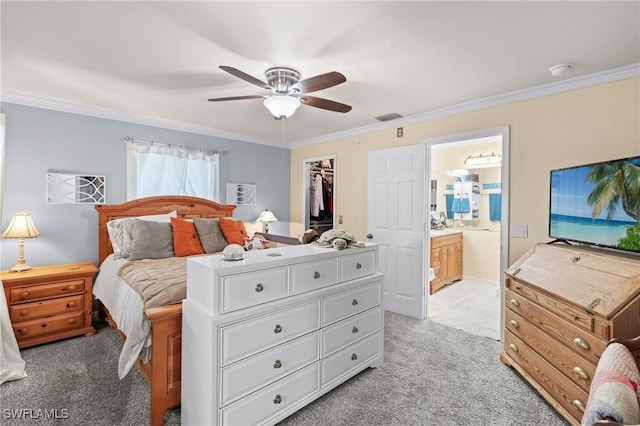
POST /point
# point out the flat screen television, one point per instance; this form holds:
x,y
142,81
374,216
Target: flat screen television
x,y
597,204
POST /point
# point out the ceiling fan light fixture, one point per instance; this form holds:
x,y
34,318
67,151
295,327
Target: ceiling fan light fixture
x,y
282,106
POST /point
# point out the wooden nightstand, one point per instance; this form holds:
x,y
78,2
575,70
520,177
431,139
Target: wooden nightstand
x,y
50,302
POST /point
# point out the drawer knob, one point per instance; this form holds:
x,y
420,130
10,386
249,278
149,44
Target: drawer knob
x,y
354,302
316,275
22,331
277,364
259,287
578,404
575,259
354,357
358,265
70,288
518,287
24,295
581,343
354,330
277,329
72,320
579,371
277,399
71,305
23,313
514,302
513,347
515,324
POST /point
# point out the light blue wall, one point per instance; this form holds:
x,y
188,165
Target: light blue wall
x,y
41,140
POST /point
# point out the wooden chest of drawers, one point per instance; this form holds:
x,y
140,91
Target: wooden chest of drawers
x,y
50,303
563,304
301,323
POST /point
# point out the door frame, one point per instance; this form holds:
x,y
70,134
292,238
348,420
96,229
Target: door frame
x,y
502,131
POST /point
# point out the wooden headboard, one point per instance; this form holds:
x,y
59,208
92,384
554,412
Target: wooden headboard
x,y
186,207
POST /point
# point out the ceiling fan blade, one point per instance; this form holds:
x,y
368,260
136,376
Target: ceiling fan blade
x,y
319,82
246,77
236,98
325,104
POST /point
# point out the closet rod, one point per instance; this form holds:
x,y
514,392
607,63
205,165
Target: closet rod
x,y
207,151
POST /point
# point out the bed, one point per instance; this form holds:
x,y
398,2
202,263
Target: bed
x,y
162,370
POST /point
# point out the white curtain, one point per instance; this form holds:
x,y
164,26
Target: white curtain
x,y
161,169
11,363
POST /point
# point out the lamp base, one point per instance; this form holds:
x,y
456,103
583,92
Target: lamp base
x,y
20,268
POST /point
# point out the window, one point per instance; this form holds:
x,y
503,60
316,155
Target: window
x,y
161,169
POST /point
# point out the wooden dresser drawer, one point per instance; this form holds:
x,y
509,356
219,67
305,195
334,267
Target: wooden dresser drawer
x,y
349,358
249,337
357,265
572,398
45,308
573,365
46,291
579,340
349,330
39,327
446,240
256,372
313,275
260,407
347,303
253,288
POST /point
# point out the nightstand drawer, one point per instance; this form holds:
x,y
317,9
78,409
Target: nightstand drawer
x,y
45,308
40,327
46,291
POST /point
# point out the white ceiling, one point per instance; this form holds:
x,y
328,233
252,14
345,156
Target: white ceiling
x,y
160,59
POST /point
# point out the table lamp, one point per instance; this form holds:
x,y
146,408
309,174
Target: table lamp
x,y
266,217
21,227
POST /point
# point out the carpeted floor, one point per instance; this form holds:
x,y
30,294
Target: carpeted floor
x,y
432,375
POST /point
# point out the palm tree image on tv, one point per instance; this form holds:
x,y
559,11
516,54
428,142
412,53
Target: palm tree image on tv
x,y
617,183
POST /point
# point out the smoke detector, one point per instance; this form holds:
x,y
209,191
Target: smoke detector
x,y
560,69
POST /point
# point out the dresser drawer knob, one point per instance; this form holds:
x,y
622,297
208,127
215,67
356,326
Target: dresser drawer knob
x,y
72,320
575,259
354,330
23,313
354,357
259,287
70,288
358,265
514,302
515,324
24,295
22,331
277,329
518,287
579,371
354,302
316,275
71,305
581,343
277,364
277,399
579,405
513,347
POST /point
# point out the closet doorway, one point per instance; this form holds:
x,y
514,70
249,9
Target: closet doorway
x,y
319,195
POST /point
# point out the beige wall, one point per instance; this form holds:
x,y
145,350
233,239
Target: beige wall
x,y
576,127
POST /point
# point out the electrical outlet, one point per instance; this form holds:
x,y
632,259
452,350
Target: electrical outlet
x,y
519,230
400,132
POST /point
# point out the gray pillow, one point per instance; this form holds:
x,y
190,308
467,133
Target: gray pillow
x,y
150,240
210,233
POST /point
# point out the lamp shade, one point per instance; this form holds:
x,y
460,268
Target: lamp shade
x,y
21,226
282,105
266,216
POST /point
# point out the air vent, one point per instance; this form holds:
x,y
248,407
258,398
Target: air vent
x,y
388,117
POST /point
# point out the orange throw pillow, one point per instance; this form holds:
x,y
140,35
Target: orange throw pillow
x,y
233,230
185,238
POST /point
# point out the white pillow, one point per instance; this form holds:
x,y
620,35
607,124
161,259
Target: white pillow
x,y
253,227
117,230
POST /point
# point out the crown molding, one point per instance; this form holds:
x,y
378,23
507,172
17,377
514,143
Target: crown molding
x,y
594,79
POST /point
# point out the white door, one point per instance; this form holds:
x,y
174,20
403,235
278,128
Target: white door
x,y
395,221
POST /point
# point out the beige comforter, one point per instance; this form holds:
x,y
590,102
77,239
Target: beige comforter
x,y
158,281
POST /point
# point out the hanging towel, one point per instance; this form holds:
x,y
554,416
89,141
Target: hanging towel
x,y
465,205
455,205
449,203
495,207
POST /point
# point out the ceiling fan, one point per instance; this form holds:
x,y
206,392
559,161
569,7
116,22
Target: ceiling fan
x,y
288,91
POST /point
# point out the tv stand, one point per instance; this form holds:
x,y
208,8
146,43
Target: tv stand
x,y
559,240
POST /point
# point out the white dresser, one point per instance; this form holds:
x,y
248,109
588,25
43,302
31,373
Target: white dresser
x,y
265,336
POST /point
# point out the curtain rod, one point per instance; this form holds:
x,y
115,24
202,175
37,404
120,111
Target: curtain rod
x,y
130,139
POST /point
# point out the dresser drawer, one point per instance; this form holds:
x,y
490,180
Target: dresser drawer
x,y
45,308
262,406
566,393
256,372
247,338
349,330
253,288
350,358
342,305
572,365
46,291
313,275
585,344
357,265
39,327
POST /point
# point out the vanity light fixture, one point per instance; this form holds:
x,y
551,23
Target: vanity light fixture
x,y
479,161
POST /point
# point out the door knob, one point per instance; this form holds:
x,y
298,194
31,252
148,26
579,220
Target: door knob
x,y
369,236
